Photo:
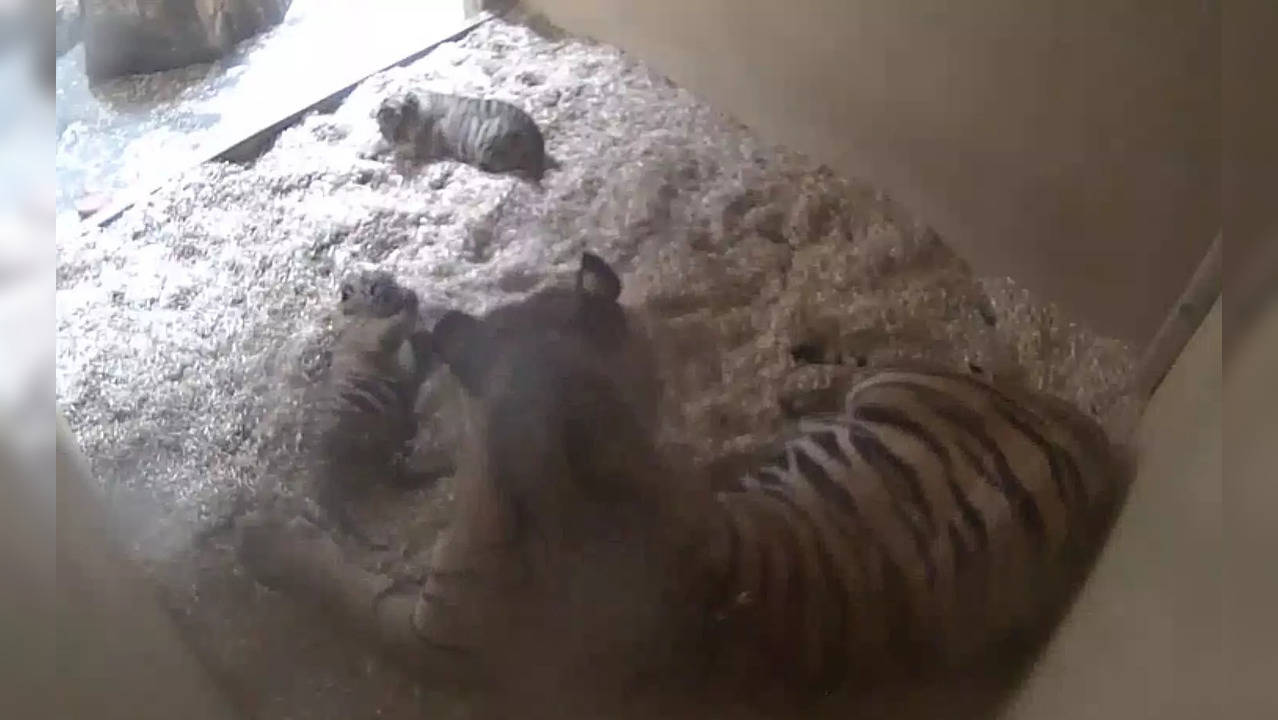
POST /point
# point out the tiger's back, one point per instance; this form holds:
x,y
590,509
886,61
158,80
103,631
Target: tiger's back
x,y
496,135
935,519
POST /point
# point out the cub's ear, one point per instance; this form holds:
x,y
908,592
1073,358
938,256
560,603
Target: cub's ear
x,y
459,341
596,280
410,105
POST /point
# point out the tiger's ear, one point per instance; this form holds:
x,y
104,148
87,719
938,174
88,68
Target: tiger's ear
x,y
422,344
596,280
458,340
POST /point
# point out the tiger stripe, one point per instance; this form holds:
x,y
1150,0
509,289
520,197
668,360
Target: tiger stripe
x,y
376,396
934,489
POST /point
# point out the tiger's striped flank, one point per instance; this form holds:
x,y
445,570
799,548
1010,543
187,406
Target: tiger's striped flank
x,y
933,517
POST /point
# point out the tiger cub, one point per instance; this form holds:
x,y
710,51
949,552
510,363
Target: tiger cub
x,y
365,418
492,135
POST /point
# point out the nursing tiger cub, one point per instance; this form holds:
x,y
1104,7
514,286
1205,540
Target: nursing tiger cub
x,y
364,416
933,522
492,135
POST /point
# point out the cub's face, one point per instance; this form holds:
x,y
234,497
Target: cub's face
x,y
395,117
374,294
379,315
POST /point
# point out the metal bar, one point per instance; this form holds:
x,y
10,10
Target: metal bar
x,y
1183,321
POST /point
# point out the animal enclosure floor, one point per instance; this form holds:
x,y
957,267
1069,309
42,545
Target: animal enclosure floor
x,y
188,328
138,129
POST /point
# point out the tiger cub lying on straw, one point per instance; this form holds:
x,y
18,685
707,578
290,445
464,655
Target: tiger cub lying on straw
x,y
492,135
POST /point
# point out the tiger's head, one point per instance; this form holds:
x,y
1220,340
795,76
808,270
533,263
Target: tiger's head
x,y
561,390
562,500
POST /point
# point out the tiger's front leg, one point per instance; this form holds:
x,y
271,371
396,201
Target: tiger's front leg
x,y
300,560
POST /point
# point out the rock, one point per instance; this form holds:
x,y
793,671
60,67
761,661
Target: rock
x,y
66,25
91,203
122,37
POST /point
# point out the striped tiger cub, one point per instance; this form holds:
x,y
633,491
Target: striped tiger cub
x,y
492,135
935,521
365,413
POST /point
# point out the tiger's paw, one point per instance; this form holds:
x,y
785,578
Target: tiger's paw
x,y
293,557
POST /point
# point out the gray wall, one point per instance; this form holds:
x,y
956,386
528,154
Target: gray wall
x,y
1144,640
1070,145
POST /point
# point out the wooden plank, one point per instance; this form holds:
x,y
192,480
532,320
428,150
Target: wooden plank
x,y
258,129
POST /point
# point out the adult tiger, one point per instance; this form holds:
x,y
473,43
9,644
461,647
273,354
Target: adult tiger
x,y
934,521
